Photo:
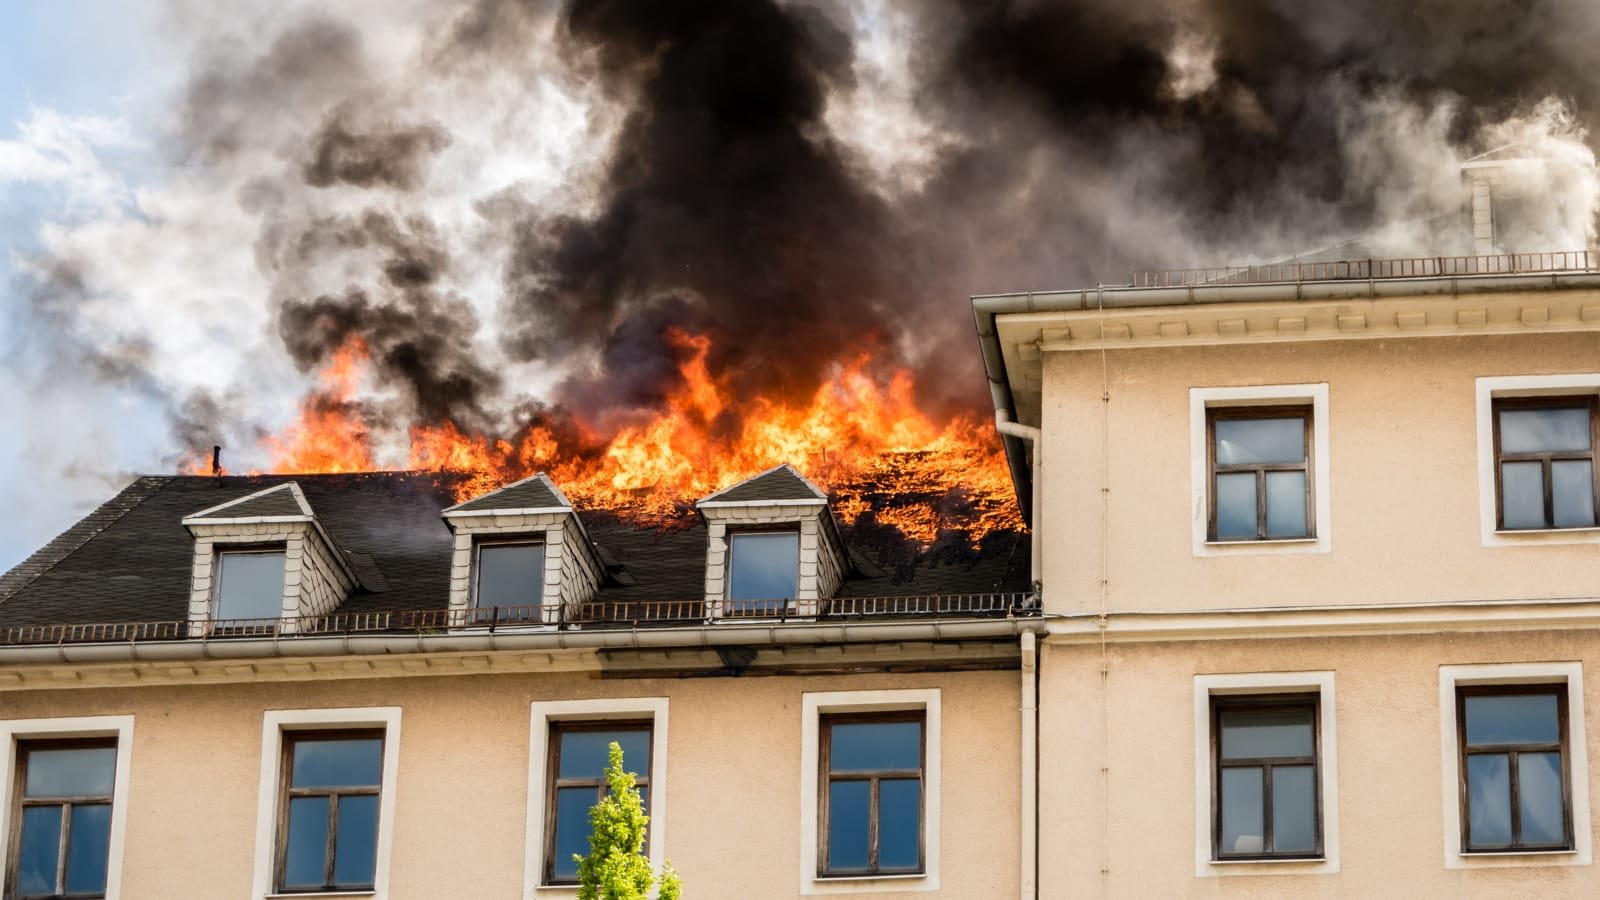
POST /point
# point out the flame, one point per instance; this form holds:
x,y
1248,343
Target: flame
x,y
860,437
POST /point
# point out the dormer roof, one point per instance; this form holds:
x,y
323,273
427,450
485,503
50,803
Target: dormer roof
x,y
535,494
279,503
777,485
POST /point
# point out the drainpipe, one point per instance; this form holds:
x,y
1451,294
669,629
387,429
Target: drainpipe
x,y
1004,425
1030,672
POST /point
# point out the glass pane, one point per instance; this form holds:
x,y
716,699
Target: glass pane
x,y
1236,506
866,746
584,754
899,823
40,849
1260,440
1544,820
1512,719
346,762
572,829
90,848
1572,483
1259,733
1243,811
1488,800
1294,809
848,824
71,772
1544,430
764,567
306,847
1522,494
1286,505
251,586
356,853
510,575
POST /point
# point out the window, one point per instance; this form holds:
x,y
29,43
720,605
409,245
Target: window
x,y
249,584
1516,784
1544,461
763,570
869,793
1260,473
1265,753
578,758
1266,770
64,783
871,815
508,581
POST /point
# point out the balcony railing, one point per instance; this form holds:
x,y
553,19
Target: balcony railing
x,y
600,614
1365,269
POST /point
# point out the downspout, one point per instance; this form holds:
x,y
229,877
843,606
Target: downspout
x,y
1029,825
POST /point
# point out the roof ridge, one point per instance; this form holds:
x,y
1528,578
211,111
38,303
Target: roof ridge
x,y
67,542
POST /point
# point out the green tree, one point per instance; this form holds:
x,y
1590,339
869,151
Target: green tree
x,y
616,867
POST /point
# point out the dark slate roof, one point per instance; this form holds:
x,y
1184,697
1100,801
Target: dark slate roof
x,y
530,493
781,483
129,561
278,501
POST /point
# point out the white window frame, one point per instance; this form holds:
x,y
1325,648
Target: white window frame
x,y
814,706
275,722
1260,684
490,540
1203,399
799,551
218,551
1490,389
1569,673
14,731
543,713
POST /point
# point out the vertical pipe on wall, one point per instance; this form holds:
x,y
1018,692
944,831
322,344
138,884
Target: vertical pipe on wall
x,y
1030,766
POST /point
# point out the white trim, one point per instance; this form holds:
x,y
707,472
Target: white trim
x,y
1577,751
202,517
508,512
1488,389
821,498
277,721
1202,399
743,504
566,506
542,713
814,704
1207,686
120,727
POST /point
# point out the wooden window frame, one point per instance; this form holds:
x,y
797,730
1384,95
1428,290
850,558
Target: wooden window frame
x,y
1224,702
1589,402
1559,691
1303,411
287,791
553,781
770,604
19,802
475,613
826,777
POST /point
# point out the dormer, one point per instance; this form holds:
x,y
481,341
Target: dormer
x,y
264,557
773,547
521,555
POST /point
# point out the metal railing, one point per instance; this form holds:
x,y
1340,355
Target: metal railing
x,y
1364,269
593,614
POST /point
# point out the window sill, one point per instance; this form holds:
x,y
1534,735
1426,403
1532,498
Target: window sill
x,y
1268,542
1541,532
312,895
1314,860
1263,547
1503,854
1524,537
896,876
1300,865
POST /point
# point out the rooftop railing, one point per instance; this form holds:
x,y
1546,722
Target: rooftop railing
x,y
602,614
1365,269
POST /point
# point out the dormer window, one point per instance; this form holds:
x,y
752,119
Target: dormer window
x,y
763,570
508,580
249,584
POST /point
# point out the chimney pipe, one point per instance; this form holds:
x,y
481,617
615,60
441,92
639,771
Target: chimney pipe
x,y
216,460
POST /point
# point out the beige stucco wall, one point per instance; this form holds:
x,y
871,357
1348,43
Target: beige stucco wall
x,y
1403,448
733,778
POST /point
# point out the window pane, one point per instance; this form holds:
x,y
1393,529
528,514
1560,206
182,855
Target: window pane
x,y
865,746
1544,820
251,586
40,849
510,575
584,754
848,824
1512,719
1572,483
1522,494
1236,506
1544,430
356,853
1488,800
1294,809
1260,440
1258,733
91,846
307,844
71,772
1286,505
1242,811
572,829
352,762
764,567
899,823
